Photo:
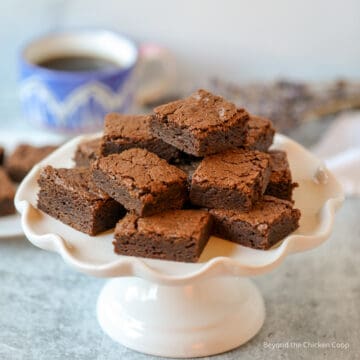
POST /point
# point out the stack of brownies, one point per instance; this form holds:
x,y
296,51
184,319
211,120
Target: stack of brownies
x,y
197,167
14,168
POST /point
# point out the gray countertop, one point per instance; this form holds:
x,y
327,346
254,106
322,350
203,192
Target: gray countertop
x,y
48,310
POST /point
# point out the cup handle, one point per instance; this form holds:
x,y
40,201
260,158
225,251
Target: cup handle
x,y
156,73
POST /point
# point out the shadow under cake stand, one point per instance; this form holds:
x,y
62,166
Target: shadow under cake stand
x,y
176,309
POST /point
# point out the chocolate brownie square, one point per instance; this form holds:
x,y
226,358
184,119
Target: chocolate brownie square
x,y
280,183
260,134
71,196
122,132
141,181
178,235
201,124
86,152
2,151
270,221
7,194
22,160
234,179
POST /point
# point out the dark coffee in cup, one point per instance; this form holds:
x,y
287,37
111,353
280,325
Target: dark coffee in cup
x,y
78,63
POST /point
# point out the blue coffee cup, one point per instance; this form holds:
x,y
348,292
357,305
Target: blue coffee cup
x,y
70,101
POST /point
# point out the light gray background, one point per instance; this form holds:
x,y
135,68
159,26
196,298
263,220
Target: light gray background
x,y
236,40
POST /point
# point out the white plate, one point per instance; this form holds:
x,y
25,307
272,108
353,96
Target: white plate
x,y
10,226
318,196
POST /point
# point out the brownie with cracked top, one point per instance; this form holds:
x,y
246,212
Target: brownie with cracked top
x,y
260,134
22,160
201,124
280,183
164,236
234,179
122,132
71,196
141,181
7,194
2,152
86,152
270,220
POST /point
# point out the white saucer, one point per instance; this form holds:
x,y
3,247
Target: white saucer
x,y
10,226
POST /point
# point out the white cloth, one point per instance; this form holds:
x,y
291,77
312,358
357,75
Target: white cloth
x,y
340,148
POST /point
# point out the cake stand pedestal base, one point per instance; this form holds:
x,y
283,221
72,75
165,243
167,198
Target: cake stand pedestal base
x,y
200,319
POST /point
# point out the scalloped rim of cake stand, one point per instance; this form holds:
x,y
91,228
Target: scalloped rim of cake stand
x,y
247,262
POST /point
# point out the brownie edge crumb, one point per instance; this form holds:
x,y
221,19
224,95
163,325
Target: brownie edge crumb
x,y
24,157
201,124
70,195
234,179
280,183
86,152
123,132
260,134
2,152
141,181
7,194
270,221
178,235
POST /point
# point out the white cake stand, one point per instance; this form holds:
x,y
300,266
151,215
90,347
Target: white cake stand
x,y
177,309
